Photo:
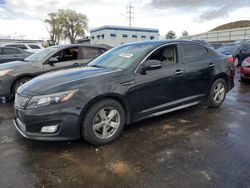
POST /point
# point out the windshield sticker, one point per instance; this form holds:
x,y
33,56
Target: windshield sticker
x,y
126,55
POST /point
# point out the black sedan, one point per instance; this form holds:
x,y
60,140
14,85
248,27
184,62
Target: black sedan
x,y
126,84
8,54
14,74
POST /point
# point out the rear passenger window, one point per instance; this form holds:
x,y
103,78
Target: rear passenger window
x,y
90,52
193,52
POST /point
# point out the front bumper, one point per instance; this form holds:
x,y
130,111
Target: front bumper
x,y
29,124
245,72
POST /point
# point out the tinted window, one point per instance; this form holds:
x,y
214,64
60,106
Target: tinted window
x,y
166,55
9,51
193,52
33,46
90,52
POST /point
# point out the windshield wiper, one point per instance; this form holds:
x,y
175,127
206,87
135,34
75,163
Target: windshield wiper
x,y
98,66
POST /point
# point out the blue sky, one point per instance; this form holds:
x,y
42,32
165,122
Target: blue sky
x,y
25,18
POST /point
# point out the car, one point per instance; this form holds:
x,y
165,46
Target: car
x,y
13,74
242,53
229,49
245,70
28,47
12,54
128,83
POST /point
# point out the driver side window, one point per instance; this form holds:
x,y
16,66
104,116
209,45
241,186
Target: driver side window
x,y
166,55
68,54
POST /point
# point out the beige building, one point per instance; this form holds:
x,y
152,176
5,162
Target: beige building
x,y
228,35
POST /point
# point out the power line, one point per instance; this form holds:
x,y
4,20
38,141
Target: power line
x,y
130,13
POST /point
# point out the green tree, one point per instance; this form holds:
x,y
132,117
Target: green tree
x,y
66,24
170,35
74,24
54,26
184,34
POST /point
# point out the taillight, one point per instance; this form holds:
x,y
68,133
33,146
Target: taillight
x,y
230,60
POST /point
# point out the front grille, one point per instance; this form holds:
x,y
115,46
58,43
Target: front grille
x,y
20,101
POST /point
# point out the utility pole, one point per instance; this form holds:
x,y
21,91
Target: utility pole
x,y
130,13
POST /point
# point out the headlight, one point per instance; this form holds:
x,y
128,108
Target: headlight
x,y
245,63
45,100
4,72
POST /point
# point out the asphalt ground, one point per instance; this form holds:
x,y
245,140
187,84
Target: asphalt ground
x,y
194,147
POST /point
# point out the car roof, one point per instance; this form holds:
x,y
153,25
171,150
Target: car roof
x,y
167,41
62,46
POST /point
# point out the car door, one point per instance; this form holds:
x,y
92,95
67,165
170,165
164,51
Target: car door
x,y
156,90
199,67
10,54
66,58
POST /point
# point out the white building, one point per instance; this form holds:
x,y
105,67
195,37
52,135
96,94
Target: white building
x,y
228,35
116,35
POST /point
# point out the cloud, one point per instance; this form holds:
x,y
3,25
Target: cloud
x,y
206,10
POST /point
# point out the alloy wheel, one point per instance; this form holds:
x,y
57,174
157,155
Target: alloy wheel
x,y
106,123
219,92
236,62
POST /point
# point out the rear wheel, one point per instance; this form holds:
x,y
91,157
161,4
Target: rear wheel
x,y
19,83
237,62
217,93
103,122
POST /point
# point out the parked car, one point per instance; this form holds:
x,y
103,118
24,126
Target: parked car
x,y
242,53
126,84
14,74
245,69
12,54
28,47
229,49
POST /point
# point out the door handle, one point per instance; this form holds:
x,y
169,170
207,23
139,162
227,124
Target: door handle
x,y
178,72
211,65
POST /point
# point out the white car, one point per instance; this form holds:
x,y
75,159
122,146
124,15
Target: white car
x,y
28,47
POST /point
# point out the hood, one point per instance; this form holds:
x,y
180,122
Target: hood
x,y
64,79
12,64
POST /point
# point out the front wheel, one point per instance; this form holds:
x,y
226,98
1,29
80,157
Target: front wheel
x,y
217,93
19,83
103,122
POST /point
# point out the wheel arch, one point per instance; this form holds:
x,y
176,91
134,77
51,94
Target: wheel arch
x,y
18,78
222,75
120,99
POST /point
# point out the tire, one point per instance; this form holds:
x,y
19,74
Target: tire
x,y
237,62
243,79
96,127
18,83
217,93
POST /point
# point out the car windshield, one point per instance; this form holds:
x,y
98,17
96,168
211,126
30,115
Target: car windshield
x,y
228,48
121,57
41,54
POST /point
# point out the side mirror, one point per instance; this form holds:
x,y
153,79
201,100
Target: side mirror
x,y
53,60
151,65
